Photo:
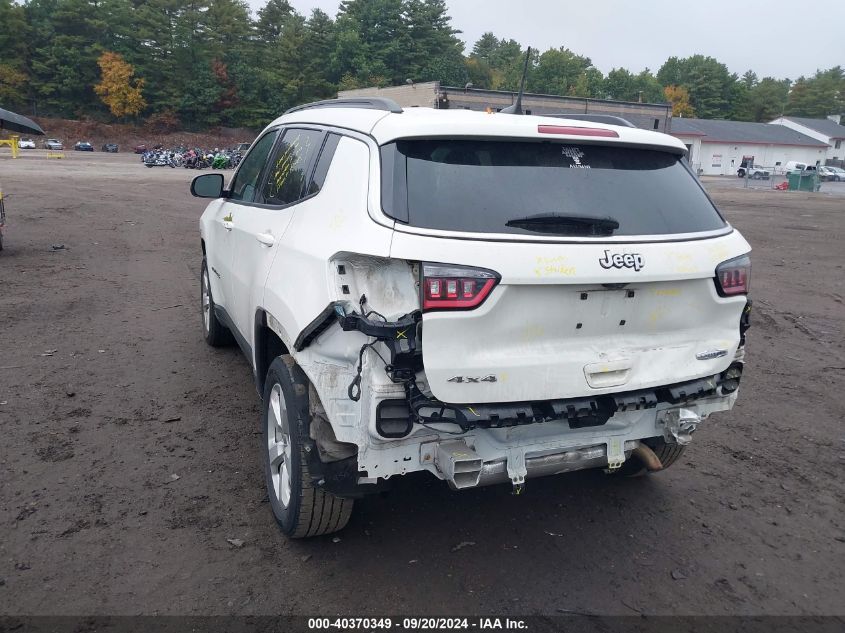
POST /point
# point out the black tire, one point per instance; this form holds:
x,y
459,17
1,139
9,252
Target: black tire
x,y
668,454
305,510
213,331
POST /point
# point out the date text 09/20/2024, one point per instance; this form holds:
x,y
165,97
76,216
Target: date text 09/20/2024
x,y
418,624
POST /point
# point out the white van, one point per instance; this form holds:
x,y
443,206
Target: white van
x,y
795,165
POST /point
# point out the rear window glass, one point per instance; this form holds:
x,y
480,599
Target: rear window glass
x,y
482,186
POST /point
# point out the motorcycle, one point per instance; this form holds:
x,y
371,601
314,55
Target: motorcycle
x,y
192,159
175,159
157,158
221,160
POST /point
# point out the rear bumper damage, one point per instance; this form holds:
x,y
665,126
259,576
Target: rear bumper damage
x,y
402,428
484,456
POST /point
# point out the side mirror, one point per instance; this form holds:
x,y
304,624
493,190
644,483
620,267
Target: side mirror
x,y
207,186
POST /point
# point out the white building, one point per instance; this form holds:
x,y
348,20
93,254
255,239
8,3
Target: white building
x,y
828,131
718,147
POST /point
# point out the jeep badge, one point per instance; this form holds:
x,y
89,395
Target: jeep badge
x,y
622,260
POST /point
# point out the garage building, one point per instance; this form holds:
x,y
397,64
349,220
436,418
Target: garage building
x,y
716,148
828,131
648,116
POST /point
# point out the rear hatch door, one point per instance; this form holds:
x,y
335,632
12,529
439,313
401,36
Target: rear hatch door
x,y
579,308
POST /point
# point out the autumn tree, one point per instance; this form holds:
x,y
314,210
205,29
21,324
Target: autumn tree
x,y
708,82
678,96
117,88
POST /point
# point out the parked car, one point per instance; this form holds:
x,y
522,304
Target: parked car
x,y
53,144
26,143
140,149
831,173
755,172
747,166
392,327
110,147
83,146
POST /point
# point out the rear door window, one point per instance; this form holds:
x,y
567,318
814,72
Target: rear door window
x,y
289,171
484,186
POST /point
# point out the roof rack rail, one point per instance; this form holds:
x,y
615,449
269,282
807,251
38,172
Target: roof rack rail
x,y
595,118
367,103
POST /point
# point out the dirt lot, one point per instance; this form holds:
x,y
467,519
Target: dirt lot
x,y
130,449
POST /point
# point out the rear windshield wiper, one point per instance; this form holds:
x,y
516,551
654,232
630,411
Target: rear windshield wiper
x,y
565,224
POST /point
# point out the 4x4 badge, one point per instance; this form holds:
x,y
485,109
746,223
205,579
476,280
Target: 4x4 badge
x,y
622,260
489,378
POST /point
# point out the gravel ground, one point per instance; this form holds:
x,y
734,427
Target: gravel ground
x,y
130,450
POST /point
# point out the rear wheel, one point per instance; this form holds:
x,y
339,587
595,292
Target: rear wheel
x,y
668,454
300,508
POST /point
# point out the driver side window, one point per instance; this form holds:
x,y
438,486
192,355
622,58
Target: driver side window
x,y
245,182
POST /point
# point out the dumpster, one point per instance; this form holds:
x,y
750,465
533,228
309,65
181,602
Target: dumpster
x,y
803,180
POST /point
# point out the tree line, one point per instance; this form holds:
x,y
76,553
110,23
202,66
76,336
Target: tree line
x,y
202,63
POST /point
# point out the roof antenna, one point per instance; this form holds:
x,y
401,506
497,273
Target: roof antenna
x,y
516,108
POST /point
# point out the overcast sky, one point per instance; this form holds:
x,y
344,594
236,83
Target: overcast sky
x,y
774,38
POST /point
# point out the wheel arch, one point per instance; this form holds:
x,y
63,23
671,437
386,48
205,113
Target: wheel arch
x,y
267,345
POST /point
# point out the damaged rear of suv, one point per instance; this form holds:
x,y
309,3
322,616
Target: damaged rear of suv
x,y
488,298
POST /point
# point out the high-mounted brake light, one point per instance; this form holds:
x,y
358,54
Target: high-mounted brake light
x,y
448,287
733,276
572,130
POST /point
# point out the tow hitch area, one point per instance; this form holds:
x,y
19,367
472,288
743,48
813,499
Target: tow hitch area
x,y
462,467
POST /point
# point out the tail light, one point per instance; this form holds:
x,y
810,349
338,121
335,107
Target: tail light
x,y
448,287
733,276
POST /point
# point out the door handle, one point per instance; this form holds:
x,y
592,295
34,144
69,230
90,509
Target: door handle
x,y
266,238
228,225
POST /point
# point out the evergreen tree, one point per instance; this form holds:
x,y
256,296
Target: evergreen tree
x,y
818,96
559,71
14,65
710,85
211,62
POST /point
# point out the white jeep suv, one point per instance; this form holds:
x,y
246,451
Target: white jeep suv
x,y
486,297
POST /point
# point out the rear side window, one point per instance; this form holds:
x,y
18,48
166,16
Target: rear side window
x,y
290,168
533,188
323,164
